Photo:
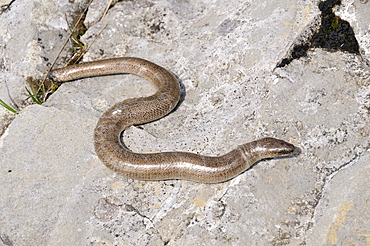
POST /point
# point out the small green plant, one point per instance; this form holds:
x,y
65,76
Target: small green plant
x,y
37,90
78,47
34,96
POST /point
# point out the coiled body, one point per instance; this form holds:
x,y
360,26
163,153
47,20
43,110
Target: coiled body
x,y
135,111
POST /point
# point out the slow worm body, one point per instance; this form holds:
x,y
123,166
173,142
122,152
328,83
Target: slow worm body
x,y
135,111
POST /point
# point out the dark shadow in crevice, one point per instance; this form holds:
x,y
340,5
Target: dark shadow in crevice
x,y
334,34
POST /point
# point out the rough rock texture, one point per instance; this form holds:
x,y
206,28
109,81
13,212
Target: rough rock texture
x,y
55,191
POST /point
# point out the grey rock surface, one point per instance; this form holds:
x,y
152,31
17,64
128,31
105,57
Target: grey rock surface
x,y
55,190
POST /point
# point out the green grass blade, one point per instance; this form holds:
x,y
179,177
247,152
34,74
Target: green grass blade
x,y
2,103
33,96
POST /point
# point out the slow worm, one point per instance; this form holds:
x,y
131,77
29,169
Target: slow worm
x,y
135,111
